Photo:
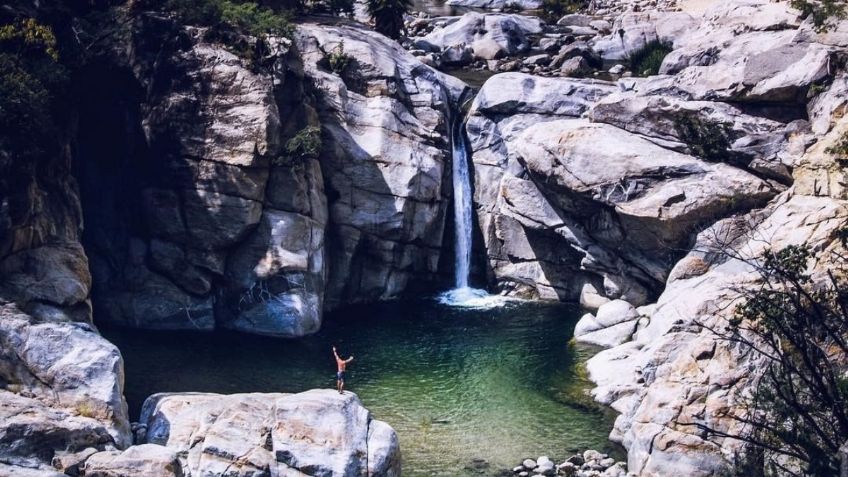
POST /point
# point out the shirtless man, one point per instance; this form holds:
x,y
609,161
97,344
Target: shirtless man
x,y
341,364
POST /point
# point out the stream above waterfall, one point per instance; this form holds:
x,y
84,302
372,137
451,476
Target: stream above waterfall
x,y
457,384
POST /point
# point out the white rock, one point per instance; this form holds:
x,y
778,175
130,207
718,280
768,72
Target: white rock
x,y
220,432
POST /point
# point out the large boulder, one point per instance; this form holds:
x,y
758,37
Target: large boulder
x,y
750,51
317,432
61,389
632,31
557,195
712,131
489,36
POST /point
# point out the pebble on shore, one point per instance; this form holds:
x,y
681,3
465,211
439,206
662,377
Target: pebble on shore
x,y
590,463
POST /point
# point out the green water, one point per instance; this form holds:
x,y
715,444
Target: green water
x,y
457,384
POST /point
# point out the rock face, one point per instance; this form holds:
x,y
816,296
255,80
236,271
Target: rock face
x,y
386,161
238,230
61,390
317,432
557,194
219,243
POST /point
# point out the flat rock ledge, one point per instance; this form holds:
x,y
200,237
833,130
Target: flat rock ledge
x,y
318,432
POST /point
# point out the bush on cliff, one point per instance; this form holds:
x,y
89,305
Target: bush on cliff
x,y
823,13
306,144
387,16
795,324
646,61
31,79
245,17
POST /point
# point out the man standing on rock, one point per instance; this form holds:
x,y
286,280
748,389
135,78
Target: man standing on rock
x,y
341,364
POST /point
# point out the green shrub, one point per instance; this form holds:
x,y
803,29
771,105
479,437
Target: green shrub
x,y
388,16
709,141
646,61
245,17
31,78
824,13
306,144
338,59
29,37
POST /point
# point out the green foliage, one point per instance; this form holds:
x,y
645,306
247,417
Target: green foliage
x,y
245,17
333,7
306,144
555,9
646,61
796,324
824,13
388,15
253,19
338,59
709,141
29,37
31,78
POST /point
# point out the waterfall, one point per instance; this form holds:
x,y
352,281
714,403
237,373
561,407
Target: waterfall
x,y
462,203
463,295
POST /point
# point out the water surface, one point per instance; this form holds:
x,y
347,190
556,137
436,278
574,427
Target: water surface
x,y
457,384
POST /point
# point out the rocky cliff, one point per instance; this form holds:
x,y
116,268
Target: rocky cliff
x,y
222,223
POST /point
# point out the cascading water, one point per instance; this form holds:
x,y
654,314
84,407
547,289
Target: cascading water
x,y
461,204
463,294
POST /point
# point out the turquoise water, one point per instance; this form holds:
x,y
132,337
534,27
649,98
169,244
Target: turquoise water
x,y
458,385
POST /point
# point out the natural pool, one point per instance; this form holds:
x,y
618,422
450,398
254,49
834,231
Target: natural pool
x,y
457,384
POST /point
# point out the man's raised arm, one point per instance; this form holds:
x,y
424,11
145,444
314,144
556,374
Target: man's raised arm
x,y
349,359
336,354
